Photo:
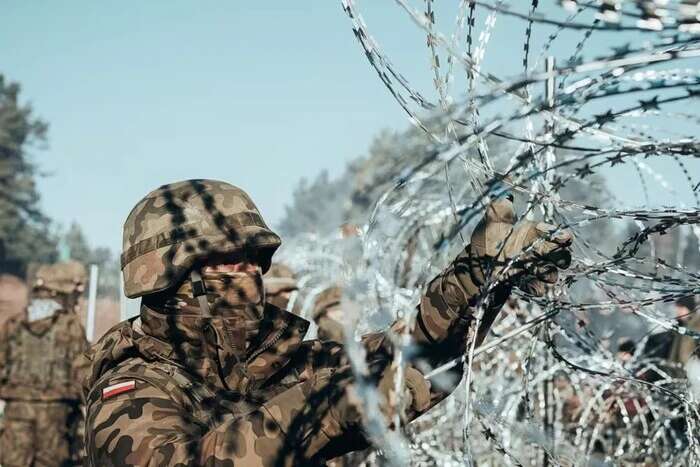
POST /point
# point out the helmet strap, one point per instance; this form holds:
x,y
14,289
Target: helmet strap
x,y
199,291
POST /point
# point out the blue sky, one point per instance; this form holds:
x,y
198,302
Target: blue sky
x,y
260,94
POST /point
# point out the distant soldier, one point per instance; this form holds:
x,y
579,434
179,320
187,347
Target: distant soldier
x,y
38,378
688,316
669,344
328,314
280,284
210,374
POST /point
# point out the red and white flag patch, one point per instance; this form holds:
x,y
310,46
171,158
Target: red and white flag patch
x,y
119,388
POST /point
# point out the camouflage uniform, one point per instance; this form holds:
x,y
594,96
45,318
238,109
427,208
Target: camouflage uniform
x,y
191,388
327,314
38,377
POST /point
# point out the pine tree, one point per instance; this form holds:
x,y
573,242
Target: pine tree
x,y
24,229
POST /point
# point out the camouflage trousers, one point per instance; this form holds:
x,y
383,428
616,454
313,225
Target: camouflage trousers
x,y
37,434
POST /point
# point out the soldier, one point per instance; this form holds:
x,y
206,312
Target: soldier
x,y
669,344
328,314
39,380
280,284
687,315
210,374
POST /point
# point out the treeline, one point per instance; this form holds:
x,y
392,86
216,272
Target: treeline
x,y
323,203
27,234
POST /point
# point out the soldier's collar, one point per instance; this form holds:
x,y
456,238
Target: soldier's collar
x,y
279,344
283,334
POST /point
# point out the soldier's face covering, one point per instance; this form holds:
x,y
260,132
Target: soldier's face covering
x,y
235,293
236,301
230,294
42,308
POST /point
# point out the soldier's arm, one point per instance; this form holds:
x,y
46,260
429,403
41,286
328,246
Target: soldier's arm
x,y
439,334
501,255
448,310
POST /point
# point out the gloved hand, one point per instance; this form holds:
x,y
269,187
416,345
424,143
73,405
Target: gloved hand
x,y
539,250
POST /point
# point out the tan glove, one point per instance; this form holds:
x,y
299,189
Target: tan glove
x,y
538,249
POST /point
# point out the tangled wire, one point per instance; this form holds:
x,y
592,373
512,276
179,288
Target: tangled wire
x,y
552,386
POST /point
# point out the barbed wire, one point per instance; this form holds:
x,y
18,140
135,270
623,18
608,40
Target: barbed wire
x,y
553,388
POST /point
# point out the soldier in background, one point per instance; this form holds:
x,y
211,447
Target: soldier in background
x,y
687,315
669,344
280,284
328,314
39,380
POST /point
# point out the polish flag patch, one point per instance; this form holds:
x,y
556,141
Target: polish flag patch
x,y
115,389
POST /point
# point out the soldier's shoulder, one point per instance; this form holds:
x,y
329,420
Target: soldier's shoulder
x,y
138,379
136,406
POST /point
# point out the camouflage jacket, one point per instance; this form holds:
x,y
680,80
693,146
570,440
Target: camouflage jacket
x,y
38,359
161,391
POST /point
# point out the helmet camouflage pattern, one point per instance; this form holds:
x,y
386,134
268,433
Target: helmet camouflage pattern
x,y
179,224
64,278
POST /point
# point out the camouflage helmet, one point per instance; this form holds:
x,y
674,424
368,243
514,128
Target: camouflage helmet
x,y
64,278
279,278
179,224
